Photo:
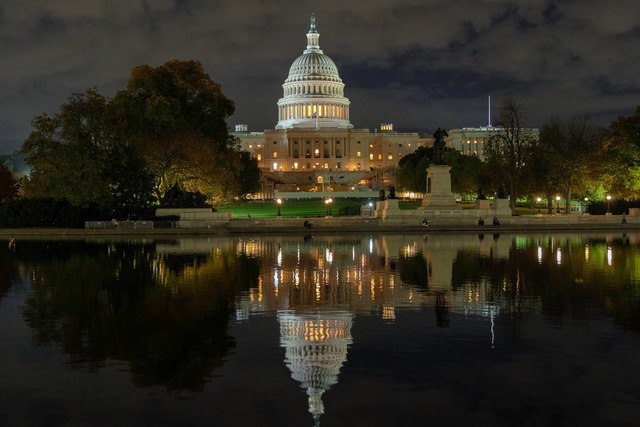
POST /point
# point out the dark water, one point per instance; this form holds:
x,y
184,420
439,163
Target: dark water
x,y
382,330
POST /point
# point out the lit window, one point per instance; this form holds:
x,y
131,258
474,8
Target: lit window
x,y
379,156
259,157
468,141
275,154
358,154
370,156
275,166
250,145
295,165
390,157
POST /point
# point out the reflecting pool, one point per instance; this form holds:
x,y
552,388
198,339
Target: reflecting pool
x,y
350,330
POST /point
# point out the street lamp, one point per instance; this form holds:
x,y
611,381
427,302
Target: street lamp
x,y
538,200
279,202
608,204
586,204
557,204
328,203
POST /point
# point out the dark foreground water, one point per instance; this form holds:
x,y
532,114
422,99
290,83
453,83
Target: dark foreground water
x,y
381,330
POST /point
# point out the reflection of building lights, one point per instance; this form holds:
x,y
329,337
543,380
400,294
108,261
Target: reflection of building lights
x,y
279,257
539,254
559,256
609,255
388,312
315,350
370,246
586,252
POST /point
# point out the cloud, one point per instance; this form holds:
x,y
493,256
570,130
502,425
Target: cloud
x,y
433,61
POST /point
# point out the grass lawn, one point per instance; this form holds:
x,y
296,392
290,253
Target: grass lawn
x,y
294,208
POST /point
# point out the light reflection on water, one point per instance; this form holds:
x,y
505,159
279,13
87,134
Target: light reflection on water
x,y
375,330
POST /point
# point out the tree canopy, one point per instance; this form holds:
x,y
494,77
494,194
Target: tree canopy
x,y
77,155
8,185
167,128
509,149
175,115
620,161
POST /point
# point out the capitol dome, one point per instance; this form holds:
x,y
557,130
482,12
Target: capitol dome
x,y
313,91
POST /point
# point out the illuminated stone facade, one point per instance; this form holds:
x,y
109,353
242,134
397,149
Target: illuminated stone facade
x,y
314,137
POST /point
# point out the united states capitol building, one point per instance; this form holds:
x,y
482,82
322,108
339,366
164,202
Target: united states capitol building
x,y
314,147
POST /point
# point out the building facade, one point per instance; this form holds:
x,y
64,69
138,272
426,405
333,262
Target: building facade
x,y
314,146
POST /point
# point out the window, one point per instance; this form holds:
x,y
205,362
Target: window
x,y
275,166
275,154
390,157
250,145
371,156
379,156
259,157
317,152
358,154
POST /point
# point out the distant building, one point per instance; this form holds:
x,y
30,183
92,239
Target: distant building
x,y
472,141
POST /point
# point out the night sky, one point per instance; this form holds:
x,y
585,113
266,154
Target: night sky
x,y
419,64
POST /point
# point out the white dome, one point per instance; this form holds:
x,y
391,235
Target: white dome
x,y
313,91
313,66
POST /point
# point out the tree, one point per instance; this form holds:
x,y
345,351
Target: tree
x,y
466,172
571,147
77,155
176,115
412,173
620,160
509,149
8,184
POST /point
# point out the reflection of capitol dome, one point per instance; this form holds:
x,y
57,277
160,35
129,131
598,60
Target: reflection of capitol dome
x,y
313,91
316,347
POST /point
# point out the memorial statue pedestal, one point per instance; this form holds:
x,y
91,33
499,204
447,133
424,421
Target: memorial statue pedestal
x,y
387,208
439,195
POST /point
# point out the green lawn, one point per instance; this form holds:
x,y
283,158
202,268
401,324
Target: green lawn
x,y
293,208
